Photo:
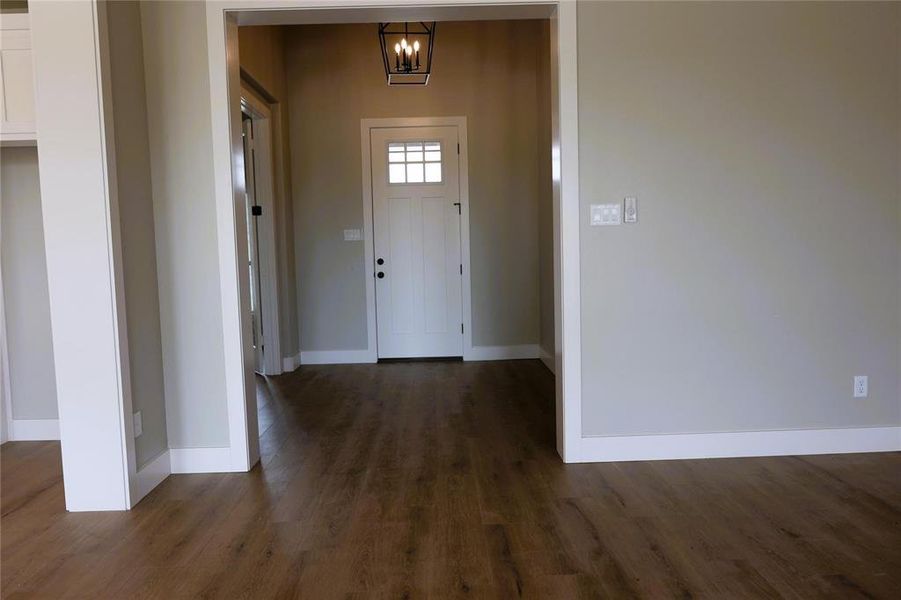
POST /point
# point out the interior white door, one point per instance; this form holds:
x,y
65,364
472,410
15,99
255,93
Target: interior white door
x,y
253,254
416,227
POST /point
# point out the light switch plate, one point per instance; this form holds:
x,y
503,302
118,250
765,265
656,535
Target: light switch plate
x,y
606,214
139,423
353,235
630,209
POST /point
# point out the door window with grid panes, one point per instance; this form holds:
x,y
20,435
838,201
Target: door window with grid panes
x,y
414,162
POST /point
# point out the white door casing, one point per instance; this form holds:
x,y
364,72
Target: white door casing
x,y
416,235
222,33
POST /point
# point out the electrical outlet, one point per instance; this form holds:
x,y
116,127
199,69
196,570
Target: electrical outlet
x,y
139,423
861,386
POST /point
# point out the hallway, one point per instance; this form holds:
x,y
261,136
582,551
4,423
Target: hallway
x,y
440,479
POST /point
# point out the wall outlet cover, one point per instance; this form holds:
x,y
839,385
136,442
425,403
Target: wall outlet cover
x,y
353,235
861,386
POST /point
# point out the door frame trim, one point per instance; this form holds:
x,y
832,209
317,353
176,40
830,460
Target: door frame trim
x,y
224,74
366,126
261,114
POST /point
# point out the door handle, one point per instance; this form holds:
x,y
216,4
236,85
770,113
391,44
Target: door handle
x,y
380,261
380,275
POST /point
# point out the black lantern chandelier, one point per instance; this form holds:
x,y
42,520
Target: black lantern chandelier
x,y
407,52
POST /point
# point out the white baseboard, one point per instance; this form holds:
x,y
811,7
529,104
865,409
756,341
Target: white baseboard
x,y
200,460
151,475
502,352
33,430
336,357
548,359
342,357
290,363
738,444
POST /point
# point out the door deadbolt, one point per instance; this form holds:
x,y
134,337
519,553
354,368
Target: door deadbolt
x,y
380,261
380,275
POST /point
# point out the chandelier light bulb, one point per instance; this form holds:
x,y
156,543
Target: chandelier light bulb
x,y
409,50
416,45
397,48
403,43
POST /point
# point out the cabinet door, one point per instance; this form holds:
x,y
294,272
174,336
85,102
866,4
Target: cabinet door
x,y
16,80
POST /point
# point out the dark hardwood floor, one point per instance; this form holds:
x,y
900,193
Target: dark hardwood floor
x,y
441,480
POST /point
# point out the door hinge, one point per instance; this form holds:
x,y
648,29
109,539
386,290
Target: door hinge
x,y
461,327
458,147
256,210
461,268
459,208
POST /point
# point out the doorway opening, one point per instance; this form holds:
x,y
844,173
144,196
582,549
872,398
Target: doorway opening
x,y
424,294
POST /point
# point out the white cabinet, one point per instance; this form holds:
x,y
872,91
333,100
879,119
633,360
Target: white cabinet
x,y
17,125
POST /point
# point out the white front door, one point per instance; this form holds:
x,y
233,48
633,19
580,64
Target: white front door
x,y
416,226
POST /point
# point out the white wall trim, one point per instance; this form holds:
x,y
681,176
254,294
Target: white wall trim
x,y
368,247
225,98
182,461
151,475
290,363
336,357
567,270
202,460
6,400
117,276
523,351
33,430
547,358
738,444
224,77
465,255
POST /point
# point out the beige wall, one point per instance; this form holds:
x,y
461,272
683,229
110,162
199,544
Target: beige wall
x,y
184,210
136,225
26,300
261,51
486,71
762,141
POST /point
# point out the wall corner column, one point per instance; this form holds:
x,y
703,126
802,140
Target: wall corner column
x,y
81,229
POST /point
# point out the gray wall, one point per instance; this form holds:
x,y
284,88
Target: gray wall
x,y
136,226
486,71
25,297
762,141
180,141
